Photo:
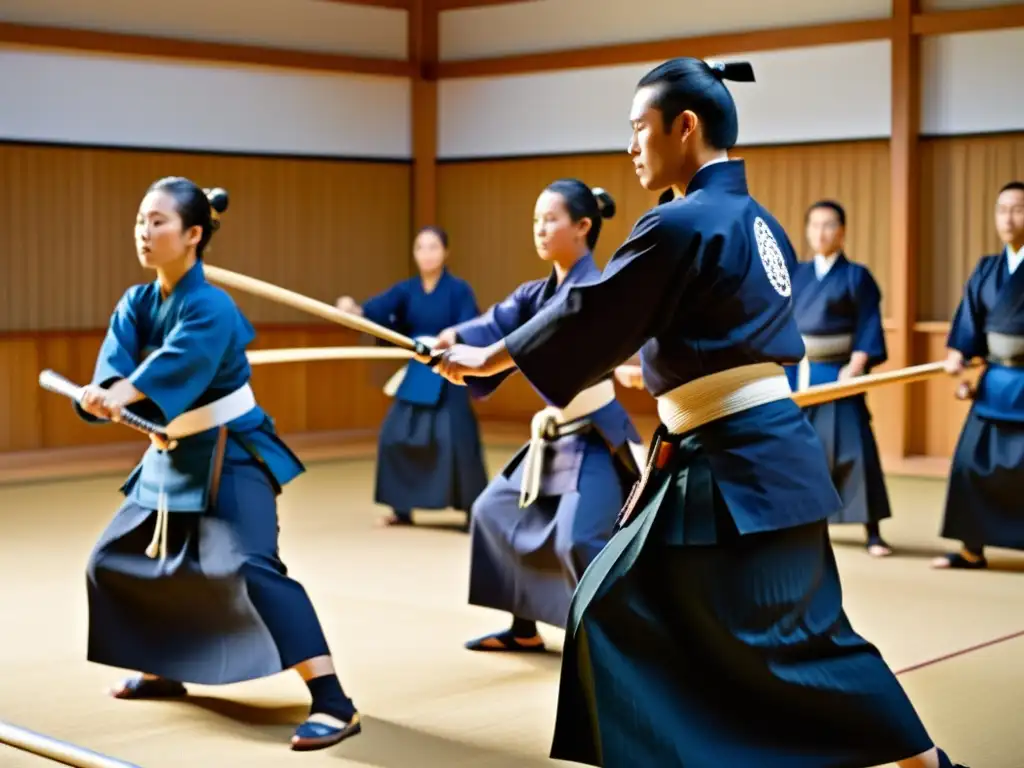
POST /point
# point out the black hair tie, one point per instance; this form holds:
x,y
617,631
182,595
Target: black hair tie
x,y
738,71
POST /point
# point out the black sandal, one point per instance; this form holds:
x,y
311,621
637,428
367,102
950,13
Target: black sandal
x,y
504,642
957,560
149,688
945,762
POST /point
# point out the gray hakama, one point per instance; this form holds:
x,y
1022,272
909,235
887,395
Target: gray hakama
x,y
527,561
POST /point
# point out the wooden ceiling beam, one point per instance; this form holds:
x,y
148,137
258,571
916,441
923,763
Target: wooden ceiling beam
x,y
454,5
702,47
970,20
194,50
402,5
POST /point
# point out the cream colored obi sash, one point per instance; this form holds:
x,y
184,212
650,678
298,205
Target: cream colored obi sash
x,y
392,385
822,349
215,414
544,429
722,394
1005,349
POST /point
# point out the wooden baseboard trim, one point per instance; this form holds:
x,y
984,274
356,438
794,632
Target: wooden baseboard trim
x,y
936,467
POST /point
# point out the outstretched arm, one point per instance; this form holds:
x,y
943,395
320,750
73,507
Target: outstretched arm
x,y
575,343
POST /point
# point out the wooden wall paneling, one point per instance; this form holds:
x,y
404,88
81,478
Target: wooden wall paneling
x,y
487,208
320,227
960,180
939,415
300,397
787,179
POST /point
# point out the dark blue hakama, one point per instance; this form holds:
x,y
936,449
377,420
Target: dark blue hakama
x,y
983,506
845,301
222,609
430,456
217,606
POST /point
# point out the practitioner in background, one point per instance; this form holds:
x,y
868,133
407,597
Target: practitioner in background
x,y
837,307
983,502
186,584
544,518
710,630
429,454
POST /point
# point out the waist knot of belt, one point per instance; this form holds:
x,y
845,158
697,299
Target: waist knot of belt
x,y
552,423
216,414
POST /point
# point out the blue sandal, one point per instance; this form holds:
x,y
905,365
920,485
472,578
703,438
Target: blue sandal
x,y
321,730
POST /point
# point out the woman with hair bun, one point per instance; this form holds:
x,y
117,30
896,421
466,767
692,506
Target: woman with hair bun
x,y
549,512
185,585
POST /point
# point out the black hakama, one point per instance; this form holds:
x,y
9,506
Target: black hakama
x,y
736,652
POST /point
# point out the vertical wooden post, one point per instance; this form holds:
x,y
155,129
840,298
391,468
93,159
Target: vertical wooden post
x,y
906,108
423,53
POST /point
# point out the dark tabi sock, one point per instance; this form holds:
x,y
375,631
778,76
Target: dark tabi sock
x,y
329,698
523,627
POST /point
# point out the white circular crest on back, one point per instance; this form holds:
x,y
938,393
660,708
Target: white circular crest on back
x,y
771,258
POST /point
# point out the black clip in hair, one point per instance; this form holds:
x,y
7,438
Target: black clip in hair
x,y
738,71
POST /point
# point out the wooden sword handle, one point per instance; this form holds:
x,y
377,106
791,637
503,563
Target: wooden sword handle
x,y
295,300
54,382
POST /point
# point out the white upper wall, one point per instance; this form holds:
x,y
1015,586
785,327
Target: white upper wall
x,y
823,93
56,96
554,25
310,25
973,82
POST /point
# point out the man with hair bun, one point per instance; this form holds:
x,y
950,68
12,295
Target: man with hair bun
x,y
710,631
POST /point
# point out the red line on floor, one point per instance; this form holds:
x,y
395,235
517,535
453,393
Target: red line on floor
x,y
961,652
